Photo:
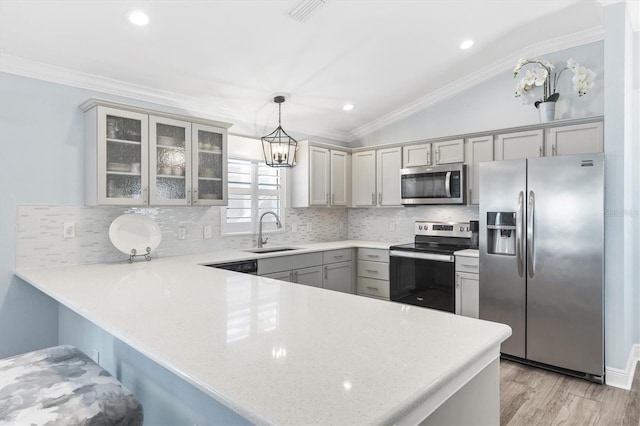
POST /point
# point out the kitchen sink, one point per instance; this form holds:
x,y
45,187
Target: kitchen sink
x,y
271,249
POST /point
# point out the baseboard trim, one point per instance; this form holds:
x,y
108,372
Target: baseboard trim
x,y
624,378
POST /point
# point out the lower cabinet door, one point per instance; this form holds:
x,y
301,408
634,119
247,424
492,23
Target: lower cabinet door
x,y
282,276
467,294
337,276
308,276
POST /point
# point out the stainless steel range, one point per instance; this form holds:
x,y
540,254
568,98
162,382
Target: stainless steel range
x,y
422,273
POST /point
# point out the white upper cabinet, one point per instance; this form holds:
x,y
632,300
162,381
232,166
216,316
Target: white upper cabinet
x,y
136,156
513,146
577,139
340,178
416,155
169,161
389,163
448,152
209,165
364,179
478,150
117,157
321,176
376,177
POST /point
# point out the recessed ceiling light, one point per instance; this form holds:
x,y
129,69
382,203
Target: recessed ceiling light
x,y
466,44
138,17
347,107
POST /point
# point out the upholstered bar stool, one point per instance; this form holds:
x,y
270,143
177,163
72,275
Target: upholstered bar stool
x,y
63,386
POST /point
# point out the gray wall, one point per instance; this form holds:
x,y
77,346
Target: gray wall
x,y
491,105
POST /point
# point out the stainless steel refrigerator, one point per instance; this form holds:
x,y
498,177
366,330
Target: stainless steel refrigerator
x,y
542,259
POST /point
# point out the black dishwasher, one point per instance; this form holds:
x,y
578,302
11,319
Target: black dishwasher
x,y
244,266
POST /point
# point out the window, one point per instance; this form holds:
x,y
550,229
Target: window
x,y
254,188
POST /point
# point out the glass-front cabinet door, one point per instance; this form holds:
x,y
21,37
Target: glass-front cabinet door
x,y
209,165
169,161
122,157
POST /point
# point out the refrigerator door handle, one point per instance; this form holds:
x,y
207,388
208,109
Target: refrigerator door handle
x,y
447,184
531,267
519,239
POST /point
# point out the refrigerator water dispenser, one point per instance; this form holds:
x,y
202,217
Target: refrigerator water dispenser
x,y
501,233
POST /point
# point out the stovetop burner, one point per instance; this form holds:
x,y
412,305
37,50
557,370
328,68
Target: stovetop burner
x,y
438,237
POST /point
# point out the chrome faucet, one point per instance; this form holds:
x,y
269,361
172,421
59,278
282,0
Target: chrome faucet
x,y
278,224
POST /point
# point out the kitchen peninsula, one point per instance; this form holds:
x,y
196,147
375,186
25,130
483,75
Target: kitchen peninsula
x,y
282,353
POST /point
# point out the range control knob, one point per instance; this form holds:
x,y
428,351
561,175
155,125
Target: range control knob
x,y
426,227
420,227
461,228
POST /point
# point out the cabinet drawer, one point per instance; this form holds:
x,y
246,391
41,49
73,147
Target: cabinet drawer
x,y
334,256
377,270
283,263
373,287
467,264
373,255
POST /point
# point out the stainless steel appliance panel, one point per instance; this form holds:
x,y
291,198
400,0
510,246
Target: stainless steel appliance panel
x,y
502,279
434,185
565,204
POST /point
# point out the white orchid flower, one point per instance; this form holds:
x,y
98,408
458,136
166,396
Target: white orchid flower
x,y
571,64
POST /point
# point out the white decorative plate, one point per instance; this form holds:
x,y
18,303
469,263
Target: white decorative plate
x,y
134,231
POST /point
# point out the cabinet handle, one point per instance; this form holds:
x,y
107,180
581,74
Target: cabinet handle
x,y
326,272
469,266
326,197
470,197
540,149
437,156
372,288
145,193
373,199
188,195
379,197
373,271
291,276
338,257
373,255
295,276
429,157
457,280
553,150
195,196
333,198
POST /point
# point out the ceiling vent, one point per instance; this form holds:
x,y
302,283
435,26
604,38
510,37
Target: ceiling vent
x,y
305,8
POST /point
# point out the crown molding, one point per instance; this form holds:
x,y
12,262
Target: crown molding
x,y
41,71
468,81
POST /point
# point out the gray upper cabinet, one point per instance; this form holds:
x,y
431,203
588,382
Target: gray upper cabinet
x,y
416,155
448,152
577,139
478,150
513,146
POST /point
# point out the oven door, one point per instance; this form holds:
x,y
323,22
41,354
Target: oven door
x,y
423,279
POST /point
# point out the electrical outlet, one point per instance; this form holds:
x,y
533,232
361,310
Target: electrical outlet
x,y
96,356
392,225
69,230
207,232
309,226
294,227
182,233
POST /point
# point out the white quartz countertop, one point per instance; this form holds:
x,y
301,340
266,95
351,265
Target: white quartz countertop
x,y
468,253
277,352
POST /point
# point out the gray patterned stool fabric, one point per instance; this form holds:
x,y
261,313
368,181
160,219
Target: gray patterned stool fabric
x,y
63,386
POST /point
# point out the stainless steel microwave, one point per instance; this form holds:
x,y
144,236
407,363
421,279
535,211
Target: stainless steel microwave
x,y
434,185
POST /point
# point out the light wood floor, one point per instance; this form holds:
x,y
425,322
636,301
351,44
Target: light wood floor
x,y
532,396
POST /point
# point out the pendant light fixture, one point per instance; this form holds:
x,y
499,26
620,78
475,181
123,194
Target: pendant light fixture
x,y
279,148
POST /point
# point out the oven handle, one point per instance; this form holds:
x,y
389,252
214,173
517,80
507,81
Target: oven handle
x,y
424,256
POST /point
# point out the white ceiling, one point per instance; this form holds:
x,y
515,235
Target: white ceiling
x,y
228,58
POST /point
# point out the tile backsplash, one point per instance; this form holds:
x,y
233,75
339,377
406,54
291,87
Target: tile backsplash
x,y
40,241
376,223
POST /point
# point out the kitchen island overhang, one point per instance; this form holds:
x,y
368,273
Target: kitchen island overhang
x,y
257,345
